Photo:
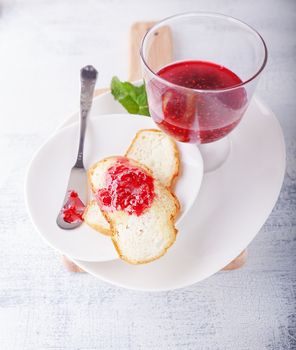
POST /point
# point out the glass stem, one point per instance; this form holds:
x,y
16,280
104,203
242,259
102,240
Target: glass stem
x,y
214,154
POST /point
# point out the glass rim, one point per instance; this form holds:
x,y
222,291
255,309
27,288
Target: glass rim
x,y
205,14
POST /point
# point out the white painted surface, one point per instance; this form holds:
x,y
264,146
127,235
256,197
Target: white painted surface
x,y
43,43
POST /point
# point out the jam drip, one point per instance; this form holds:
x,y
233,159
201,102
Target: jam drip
x,y
128,188
73,209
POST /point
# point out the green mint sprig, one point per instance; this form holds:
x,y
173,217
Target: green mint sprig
x,y
132,98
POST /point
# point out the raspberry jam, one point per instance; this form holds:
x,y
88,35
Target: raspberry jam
x,y
128,188
73,209
191,116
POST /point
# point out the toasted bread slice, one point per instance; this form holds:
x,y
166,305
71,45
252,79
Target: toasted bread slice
x,y
144,238
158,152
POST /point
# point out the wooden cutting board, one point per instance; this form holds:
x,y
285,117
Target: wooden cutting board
x,y
162,57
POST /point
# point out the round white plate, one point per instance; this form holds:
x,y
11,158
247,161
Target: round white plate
x,y
233,204
48,174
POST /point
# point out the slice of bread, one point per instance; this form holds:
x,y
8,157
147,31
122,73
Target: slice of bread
x,y
159,153
94,217
144,238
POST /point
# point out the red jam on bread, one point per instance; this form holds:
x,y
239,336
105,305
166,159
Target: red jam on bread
x,y
73,209
128,188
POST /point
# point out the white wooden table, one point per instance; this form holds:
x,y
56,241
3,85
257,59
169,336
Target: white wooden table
x,y
42,306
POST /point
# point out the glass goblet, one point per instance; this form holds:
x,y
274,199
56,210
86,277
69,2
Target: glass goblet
x,y
202,90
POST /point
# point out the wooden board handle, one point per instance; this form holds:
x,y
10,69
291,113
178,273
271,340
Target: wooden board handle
x,y
238,262
158,57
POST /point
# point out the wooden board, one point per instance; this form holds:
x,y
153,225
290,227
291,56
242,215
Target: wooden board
x,y
156,58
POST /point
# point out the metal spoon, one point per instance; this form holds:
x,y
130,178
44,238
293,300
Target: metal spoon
x,y
77,180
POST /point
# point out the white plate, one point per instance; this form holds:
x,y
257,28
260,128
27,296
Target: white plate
x,y
233,204
48,174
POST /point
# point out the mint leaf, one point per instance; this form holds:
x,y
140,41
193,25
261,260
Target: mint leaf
x,y
132,98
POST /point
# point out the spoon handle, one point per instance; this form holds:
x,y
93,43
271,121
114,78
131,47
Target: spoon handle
x,y
88,77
